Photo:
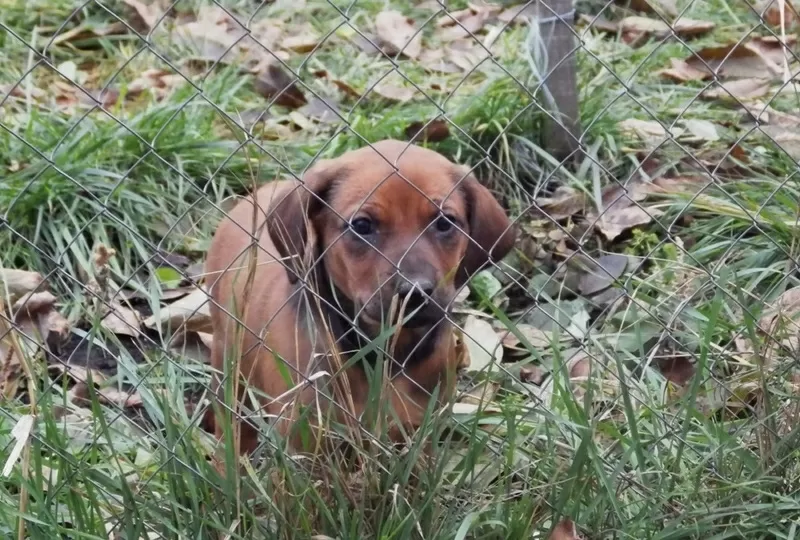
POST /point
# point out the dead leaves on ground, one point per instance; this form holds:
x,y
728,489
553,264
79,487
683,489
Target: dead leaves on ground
x,y
33,330
397,34
620,207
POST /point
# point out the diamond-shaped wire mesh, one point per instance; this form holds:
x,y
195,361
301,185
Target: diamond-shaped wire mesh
x,y
515,269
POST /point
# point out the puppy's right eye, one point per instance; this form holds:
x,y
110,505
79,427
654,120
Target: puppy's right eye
x,y
362,226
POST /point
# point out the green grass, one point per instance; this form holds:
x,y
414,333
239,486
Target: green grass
x,y
623,453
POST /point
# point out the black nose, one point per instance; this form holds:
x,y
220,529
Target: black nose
x,y
415,292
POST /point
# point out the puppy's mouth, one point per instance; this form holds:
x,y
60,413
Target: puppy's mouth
x,y
422,315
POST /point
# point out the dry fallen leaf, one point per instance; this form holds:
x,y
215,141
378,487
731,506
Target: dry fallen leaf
x,y
36,325
738,90
787,140
122,321
770,11
367,43
150,14
535,337
216,36
565,202
482,342
160,81
480,394
466,54
394,88
518,14
466,26
397,34
682,71
701,130
322,110
678,370
752,59
435,60
606,269
531,375
779,322
434,131
346,88
87,32
304,39
579,366
667,8
191,313
620,217
651,132
275,84
17,283
685,28
192,345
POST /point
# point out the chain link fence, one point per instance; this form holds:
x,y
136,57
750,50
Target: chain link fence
x,y
626,370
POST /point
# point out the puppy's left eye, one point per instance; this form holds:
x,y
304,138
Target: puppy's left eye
x,y
444,223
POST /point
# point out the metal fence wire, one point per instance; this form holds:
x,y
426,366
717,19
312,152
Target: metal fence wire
x,y
626,370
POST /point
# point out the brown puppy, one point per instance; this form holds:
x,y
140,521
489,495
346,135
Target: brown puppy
x,y
390,221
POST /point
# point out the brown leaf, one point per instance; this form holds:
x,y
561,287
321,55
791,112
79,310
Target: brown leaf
x,y
668,8
531,375
580,365
17,283
191,345
435,60
346,88
368,43
397,34
651,132
393,88
606,269
780,322
109,396
535,337
738,90
217,37
206,338
303,39
191,313
682,71
160,81
481,393
149,14
466,54
122,320
564,203
685,28
678,370
753,59
770,11
322,110
565,530
679,184
87,31
466,26
434,131
518,14
275,84
620,217
35,325
483,344
787,140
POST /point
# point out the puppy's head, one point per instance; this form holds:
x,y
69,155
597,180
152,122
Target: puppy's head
x,y
392,219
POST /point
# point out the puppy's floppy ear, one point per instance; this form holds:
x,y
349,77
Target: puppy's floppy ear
x,y
491,233
288,217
